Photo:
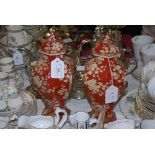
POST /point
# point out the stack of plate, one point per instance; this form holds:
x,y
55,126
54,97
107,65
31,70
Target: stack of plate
x,y
144,104
28,108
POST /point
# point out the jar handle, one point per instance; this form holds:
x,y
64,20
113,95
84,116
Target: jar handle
x,y
61,122
93,122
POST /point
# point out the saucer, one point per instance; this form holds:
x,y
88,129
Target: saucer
x,y
147,124
121,124
3,106
127,106
36,122
78,105
29,106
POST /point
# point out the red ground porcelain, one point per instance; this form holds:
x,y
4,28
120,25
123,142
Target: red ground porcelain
x,y
55,90
97,77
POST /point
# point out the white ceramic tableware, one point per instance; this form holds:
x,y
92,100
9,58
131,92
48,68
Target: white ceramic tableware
x,y
148,53
149,71
7,64
127,107
121,124
14,27
149,30
4,79
14,98
78,105
81,120
37,31
148,124
3,104
137,72
38,122
43,122
3,122
138,42
16,37
151,88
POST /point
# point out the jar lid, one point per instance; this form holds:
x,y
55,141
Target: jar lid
x,y
52,45
106,48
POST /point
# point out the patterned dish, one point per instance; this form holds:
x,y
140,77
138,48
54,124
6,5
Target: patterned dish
x,y
127,106
29,107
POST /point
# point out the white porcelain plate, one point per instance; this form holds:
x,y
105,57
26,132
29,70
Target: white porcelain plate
x,y
127,106
37,122
121,124
3,122
148,124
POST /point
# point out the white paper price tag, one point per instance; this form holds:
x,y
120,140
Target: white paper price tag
x,y
68,40
18,58
57,69
111,94
80,68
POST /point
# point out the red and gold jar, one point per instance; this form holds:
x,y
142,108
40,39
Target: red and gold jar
x,y
55,90
101,72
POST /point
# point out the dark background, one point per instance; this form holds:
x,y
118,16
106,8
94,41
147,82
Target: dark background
x,y
129,29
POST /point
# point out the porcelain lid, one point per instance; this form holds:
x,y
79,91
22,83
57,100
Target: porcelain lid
x,y
52,45
106,48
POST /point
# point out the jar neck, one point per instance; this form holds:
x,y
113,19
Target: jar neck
x,y
52,57
110,58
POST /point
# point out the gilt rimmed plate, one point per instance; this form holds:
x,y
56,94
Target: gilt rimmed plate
x,y
28,107
127,106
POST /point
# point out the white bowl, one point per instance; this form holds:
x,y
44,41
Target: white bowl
x,y
4,79
7,64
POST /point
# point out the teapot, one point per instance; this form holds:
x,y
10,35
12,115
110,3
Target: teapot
x,y
43,122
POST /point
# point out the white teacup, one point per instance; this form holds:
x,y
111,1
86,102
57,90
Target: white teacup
x,y
7,64
138,42
148,124
4,79
81,120
17,36
148,53
14,98
121,124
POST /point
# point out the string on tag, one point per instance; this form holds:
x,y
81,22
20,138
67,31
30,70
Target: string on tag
x,y
111,73
111,94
